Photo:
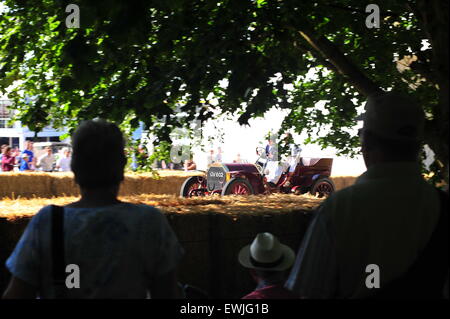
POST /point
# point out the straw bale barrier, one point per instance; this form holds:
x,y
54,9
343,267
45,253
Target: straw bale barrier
x,y
211,231
38,184
341,182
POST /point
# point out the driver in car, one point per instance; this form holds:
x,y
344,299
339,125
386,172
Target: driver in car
x,y
274,169
294,152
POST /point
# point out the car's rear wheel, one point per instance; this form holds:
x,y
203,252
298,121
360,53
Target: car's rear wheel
x,y
322,187
237,186
193,186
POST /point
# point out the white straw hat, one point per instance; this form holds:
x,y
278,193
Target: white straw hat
x,y
266,253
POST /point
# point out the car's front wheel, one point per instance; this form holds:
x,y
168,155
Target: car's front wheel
x,y
193,186
238,186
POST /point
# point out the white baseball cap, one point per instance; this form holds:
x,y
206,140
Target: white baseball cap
x,y
393,116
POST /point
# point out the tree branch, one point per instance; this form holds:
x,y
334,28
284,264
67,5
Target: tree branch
x,y
341,63
321,59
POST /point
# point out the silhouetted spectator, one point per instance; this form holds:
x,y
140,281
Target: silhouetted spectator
x,y
268,261
384,221
123,250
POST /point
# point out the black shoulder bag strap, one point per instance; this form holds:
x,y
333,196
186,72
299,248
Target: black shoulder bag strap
x,y
58,253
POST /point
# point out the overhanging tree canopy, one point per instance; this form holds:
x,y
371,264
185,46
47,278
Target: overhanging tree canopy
x,y
137,60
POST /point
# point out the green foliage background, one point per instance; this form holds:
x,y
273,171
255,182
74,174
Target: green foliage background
x,y
162,62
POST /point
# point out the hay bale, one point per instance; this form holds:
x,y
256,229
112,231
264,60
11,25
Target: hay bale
x,y
232,206
169,182
343,181
29,184
39,184
212,230
129,186
64,185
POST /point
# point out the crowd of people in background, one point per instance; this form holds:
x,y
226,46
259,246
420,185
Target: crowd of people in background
x,y
141,159
26,161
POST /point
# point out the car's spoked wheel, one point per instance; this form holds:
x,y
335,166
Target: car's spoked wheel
x,y
196,189
193,186
323,187
237,186
240,189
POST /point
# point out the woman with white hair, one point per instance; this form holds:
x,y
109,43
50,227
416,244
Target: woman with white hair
x,y
121,250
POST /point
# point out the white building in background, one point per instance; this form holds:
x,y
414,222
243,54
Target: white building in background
x,y
15,134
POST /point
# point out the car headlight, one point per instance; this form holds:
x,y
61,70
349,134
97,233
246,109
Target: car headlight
x,y
227,177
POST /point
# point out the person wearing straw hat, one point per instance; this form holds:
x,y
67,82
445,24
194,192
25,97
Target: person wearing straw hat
x,y
369,240
268,261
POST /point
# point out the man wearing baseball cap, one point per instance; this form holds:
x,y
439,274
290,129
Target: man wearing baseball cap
x,y
382,231
268,261
25,163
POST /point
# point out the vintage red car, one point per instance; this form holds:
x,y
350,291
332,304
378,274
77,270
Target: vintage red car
x,y
309,175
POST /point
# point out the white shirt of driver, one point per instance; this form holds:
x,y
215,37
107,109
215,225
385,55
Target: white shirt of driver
x,y
295,150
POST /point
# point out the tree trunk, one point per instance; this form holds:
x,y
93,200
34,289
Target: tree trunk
x,y
433,17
